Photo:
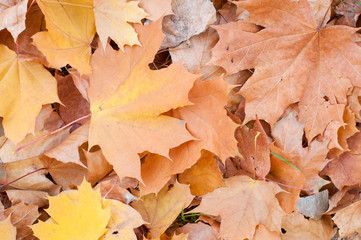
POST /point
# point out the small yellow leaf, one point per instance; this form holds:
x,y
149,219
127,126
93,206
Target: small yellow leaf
x,y
7,230
112,20
24,87
75,215
71,29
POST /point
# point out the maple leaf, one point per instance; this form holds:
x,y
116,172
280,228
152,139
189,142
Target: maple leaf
x,y
75,215
71,29
21,217
24,87
113,18
162,209
12,16
295,60
204,176
127,100
8,231
348,219
207,121
245,202
298,227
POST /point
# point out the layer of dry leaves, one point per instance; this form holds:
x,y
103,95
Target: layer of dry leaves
x,y
180,119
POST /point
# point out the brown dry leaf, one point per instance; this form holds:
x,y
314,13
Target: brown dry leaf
x,y
81,82
297,228
354,143
73,104
21,217
156,8
35,181
127,100
67,150
198,231
350,11
245,202
66,175
291,38
253,145
112,188
196,52
348,219
98,167
204,176
344,170
162,209
321,11
207,121
191,17
343,198
29,197
7,153
12,16
156,172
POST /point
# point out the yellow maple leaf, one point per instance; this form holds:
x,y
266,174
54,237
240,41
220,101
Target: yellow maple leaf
x,y
24,87
84,214
71,29
75,215
7,230
112,20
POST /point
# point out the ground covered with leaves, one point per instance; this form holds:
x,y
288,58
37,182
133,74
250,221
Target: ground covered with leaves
x,y
180,119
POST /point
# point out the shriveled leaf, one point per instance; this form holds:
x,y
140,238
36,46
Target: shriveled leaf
x,y
29,197
253,145
12,16
98,167
127,100
198,231
191,17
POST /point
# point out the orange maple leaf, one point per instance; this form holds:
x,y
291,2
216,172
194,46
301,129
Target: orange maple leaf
x,y
127,100
295,60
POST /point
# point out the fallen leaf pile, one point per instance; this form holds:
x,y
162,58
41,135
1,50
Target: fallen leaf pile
x,y
173,119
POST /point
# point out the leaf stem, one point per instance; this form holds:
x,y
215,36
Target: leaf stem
x,y
17,179
285,185
51,133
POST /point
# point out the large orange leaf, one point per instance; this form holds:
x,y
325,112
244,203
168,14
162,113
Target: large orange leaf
x,y
243,205
127,100
24,87
295,60
71,29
